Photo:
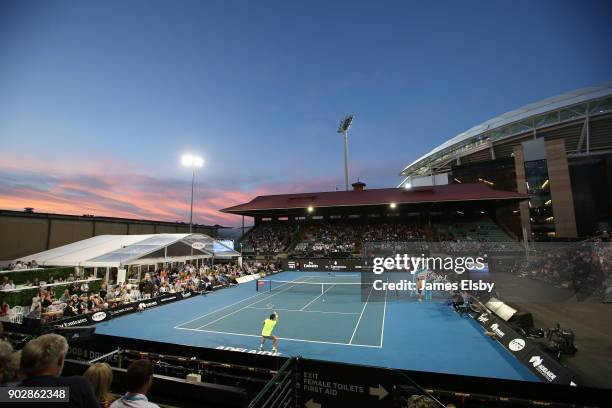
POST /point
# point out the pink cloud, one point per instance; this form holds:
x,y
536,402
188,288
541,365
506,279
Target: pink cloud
x,y
121,192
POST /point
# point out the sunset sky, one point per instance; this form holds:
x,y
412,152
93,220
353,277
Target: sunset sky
x,y
98,101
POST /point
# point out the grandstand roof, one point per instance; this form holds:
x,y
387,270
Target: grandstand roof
x,y
498,128
120,250
374,197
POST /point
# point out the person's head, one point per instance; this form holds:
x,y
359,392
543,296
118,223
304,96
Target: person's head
x,y
6,349
101,377
12,372
139,376
44,355
273,316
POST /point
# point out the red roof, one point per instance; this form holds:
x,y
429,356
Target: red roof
x,y
381,196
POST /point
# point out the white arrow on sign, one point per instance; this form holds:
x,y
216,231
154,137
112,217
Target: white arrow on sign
x,y
311,404
379,392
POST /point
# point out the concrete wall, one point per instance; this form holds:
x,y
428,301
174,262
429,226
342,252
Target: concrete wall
x,y
561,189
521,187
24,233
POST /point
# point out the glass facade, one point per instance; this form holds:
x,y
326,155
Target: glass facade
x,y
540,204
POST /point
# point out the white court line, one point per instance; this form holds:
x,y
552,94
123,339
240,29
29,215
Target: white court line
x,y
225,307
304,311
361,315
309,303
282,338
382,330
259,301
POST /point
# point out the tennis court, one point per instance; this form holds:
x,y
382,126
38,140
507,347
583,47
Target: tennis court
x,y
324,317
317,309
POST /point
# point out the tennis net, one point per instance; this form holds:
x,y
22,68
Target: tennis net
x,y
271,285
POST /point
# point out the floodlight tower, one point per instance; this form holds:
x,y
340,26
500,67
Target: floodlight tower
x,y
345,124
189,160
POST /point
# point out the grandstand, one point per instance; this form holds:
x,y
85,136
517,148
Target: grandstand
x,y
336,224
565,139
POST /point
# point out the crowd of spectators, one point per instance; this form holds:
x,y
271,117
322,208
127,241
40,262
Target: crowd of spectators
x,y
341,239
393,232
271,238
20,265
583,267
78,298
337,239
41,363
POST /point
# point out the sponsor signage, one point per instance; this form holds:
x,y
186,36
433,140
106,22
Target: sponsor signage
x,y
324,264
546,368
103,315
198,245
525,350
325,384
98,316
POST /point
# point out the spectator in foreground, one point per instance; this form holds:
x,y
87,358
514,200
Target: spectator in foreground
x,y
101,377
12,374
139,381
6,350
42,362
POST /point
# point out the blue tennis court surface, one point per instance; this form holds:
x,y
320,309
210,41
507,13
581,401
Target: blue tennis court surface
x,y
324,317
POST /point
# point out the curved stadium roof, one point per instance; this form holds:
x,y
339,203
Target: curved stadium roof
x,y
551,111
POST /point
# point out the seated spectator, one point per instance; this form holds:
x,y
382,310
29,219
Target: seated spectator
x,y
4,309
139,380
42,362
65,296
101,377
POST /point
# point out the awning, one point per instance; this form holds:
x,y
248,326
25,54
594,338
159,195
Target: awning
x,y
121,250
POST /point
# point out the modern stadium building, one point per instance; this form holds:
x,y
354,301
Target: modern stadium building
x,y
547,149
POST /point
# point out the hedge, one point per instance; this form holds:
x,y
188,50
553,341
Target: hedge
x,y
24,297
23,276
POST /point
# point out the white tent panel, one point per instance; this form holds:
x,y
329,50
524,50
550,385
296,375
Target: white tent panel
x,y
119,250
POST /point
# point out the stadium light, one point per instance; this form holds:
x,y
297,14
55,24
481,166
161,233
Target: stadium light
x,y
190,160
392,205
310,208
345,124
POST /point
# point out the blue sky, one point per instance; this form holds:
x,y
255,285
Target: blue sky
x,y
98,100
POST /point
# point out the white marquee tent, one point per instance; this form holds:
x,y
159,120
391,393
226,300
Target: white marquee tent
x,y
118,251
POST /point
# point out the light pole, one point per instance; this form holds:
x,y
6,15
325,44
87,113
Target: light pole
x,y
189,160
345,124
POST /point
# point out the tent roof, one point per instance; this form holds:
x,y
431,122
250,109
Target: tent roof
x,y
118,250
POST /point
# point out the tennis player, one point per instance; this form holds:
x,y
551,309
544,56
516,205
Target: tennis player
x,y
266,332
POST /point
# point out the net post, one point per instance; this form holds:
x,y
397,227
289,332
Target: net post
x,y
256,285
